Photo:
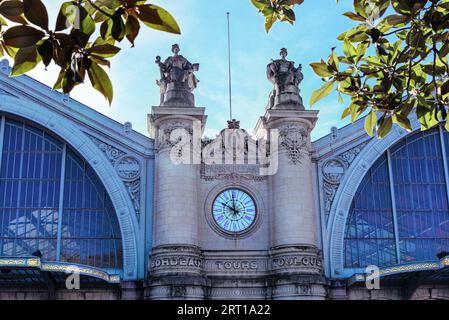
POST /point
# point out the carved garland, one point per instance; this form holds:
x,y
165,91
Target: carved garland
x,y
128,169
293,139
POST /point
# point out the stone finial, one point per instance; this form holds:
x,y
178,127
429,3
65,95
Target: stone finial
x,y
286,79
127,128
233,124
4,66
178,80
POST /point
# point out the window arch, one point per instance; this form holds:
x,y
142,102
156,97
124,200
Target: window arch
x,y
52,201
400,212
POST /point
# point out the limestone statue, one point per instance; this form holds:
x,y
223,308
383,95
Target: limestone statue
x,y
285,77
177,74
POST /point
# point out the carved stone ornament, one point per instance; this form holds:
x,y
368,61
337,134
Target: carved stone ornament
x,y
294,139
128,169
232,173
164,136
333,171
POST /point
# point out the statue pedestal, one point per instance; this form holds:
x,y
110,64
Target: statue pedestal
x,y
178,95
289,99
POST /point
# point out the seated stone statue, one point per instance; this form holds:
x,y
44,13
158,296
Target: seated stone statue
x,y
285,77
177,74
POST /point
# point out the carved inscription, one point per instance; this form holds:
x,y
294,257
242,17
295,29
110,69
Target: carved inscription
x,y
289,261
176,262
237,265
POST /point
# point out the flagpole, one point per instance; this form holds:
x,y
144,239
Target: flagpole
x,y
229,67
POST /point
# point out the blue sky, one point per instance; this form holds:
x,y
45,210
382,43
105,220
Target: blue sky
x,y
203,40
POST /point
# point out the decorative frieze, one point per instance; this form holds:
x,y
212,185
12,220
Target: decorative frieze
x,y
232,172
128,168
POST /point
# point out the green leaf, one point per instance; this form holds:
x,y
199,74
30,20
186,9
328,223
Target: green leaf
x,y
354,16
12,10
385,125
269,21
403,122
36,13
321,69
370,123
77,16
292,2
22,36
132,27
445,88
67,13
104,50
101,82
346,113
58,83
158,18
395,19
260,5
321,93
25,60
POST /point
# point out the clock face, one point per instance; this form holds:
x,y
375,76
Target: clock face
x,y
234,211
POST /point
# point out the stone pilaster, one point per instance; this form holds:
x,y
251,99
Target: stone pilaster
x,y
175,263
296,263
131,290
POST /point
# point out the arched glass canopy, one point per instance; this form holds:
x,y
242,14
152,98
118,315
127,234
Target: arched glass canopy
x,y
51,201
400,212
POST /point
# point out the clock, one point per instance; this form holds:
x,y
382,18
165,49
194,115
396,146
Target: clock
x,y
234,211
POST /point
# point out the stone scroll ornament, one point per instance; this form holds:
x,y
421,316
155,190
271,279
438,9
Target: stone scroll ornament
x,y
293,139
177,74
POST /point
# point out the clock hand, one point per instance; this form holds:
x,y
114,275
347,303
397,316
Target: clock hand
x,y
233,204
233,209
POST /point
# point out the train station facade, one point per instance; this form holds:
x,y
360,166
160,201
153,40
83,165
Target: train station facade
x,y
153,217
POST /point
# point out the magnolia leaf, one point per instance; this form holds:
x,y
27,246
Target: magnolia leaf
x,y
22,36
100,81
158,18
36,13
104,50
12,10
321,69
385,125
321,93
26,59
132,27
370,123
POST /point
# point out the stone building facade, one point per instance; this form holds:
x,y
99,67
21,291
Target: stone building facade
x,y
175,215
